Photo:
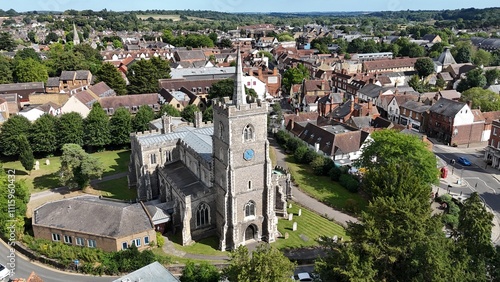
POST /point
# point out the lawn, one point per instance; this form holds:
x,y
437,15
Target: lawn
x,y
46,177
322,188
116,189
310,226
207,246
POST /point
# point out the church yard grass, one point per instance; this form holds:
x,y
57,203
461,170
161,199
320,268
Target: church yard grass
x,y
47,178
207,246
310,226
324,189
115,189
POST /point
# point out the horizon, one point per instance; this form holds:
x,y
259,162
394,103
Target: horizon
x,y
239,6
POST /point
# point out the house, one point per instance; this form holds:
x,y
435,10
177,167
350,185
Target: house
x,y
73,222
4,110
394,65
265,42
22,89
150,273
328,103
40,99
198,87
370,92
413,114
189,56
457,70
71,80
311,91
452,122
393,111
432,38
448,94
492,151
344,112
489,117
80,103
130,102
370,124
13,104
33,112
53,85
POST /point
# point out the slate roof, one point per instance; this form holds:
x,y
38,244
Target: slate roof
x,y
343,110
150,273
370,90
447,107
138,100
22,88
333,98
82,74
415,106
191,55
446,58
388,64
187,182
53,82
362,122
446,76
79,214
67,75
177,84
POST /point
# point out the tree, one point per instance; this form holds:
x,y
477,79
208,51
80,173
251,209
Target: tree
x,y
221,88
30,70
120,126
43,136
203,272
112,77
78,167
25,153
6,75
70,129
51,38
226,43
213,37
484,99
294,76
188,112
142,118
266,264
283,37
475,78
143,75
389,146
6,42
27,53
12,215
10,131
96,127
415,50
492,76
208,114
463,54
482,58
424,67
169,110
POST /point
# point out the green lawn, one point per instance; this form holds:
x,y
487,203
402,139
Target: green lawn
x,y
116,189
46,177
207,246
310,226
322,187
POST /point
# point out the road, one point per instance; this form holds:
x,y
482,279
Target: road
x,y
478,178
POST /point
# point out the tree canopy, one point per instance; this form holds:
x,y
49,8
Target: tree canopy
x,y
96,127
25,153
120,126
424,67
112,77
10,132
143,75
203,272
294,76
188,112
78,167
142,118
70,129
43,135
484,99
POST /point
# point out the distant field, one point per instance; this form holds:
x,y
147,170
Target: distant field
x,y
174,18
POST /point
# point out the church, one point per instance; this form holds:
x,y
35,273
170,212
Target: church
x,y
211,179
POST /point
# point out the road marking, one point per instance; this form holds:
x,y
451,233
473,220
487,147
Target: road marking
x,y
484,182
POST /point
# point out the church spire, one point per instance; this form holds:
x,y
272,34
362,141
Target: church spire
x,y
239,96
76,38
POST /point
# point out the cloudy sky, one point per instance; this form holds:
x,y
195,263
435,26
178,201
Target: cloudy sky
x,y
245,6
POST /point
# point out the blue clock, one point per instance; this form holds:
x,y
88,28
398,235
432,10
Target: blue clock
x,y
248,154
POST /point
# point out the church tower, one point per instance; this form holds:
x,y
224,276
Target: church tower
x,y
242,169
76,38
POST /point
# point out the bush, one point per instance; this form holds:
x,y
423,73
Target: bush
x,y
335,173
351,206
282,137
317,165
160,241
451,220
293,144
299,153
309,156
351,184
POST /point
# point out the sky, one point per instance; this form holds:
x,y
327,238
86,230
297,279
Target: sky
x,y
245,5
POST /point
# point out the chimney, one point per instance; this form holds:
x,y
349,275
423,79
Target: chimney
x,y
259,72
198,119
352,103
469,103
166,122
396,91
275,71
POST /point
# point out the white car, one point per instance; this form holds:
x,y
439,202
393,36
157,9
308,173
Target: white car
x,y
4,272
303,276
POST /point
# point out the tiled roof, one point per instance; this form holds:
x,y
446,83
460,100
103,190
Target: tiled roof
x,y
450,94
446,107
79,214
415,106
86,98
138,100
489,117
101,89
53,82
315,85
389,64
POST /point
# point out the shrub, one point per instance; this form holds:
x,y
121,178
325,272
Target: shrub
x,y
299,153
160,241
351,205
329,164
335,173
293,144
309,156
317,165
451,220
351,184
282,137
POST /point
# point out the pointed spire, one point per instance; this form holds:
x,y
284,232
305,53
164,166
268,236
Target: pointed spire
x,y
239,96
76,38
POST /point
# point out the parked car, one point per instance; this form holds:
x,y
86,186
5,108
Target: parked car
x,y
464,161
4,273
303,276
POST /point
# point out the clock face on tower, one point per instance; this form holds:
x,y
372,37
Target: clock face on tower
x,y
248,154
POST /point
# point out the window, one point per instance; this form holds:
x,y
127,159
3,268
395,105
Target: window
x,y
248,133
68,239
79,241
146,240
56,237
153,158
91,243
495,131
250,209
221,130
124,245
136,242
249,185
202,215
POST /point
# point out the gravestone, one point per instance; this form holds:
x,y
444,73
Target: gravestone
x,y
289,206
335,238
47,162
286,235
290,216
300,212
37,165
294,228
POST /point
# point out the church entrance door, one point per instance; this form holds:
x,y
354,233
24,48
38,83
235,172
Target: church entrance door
x,y
250,232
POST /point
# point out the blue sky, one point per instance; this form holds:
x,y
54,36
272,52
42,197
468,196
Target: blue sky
x,y
245,5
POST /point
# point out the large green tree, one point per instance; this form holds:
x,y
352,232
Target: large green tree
x,y
492,76
424,67
27,53
482,58
169,110
6,42
143,75
43,135
294,76
6,74
96,127
484,99
70,129
188,112
14,198
389,146
112,77
10,132
221,88
30,70
141,120
266,264
475,78
120,126
463,53
203,272
78,167
25,153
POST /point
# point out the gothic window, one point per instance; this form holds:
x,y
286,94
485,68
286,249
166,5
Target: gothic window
x,y
250,209
168,156
153,158
221,130
202,215
221,154
248,133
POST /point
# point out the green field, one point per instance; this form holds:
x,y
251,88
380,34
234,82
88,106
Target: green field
x,y
207,246
322,188
310,226
174,18
47,178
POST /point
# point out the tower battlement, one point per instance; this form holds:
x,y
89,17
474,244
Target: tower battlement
x,y
230,110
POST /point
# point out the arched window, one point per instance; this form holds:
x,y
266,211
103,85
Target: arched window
x,y
221,154
202,215
248,133
221,130
250,209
